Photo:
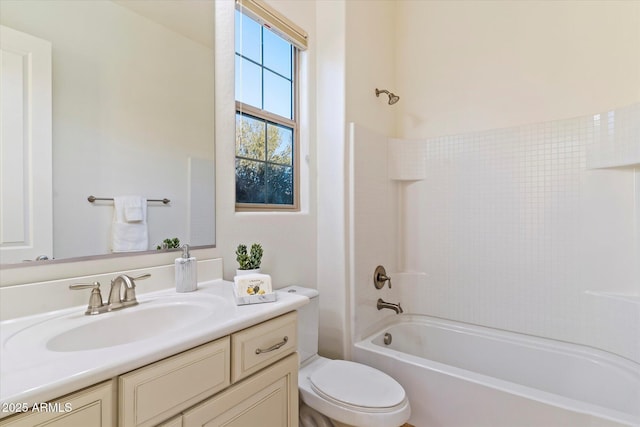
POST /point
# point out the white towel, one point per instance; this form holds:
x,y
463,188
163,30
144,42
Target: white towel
x,y
133,210
129,231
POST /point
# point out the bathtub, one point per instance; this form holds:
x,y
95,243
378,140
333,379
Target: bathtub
x,y
460,375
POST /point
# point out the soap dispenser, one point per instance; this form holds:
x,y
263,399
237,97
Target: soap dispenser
x,y
186,272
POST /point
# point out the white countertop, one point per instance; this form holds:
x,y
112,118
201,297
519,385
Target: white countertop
x,y
30,373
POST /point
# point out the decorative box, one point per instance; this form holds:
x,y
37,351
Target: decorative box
x,y
253,289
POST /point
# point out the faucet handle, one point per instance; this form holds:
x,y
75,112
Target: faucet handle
x,y
77,286
133,279
380,277
95,299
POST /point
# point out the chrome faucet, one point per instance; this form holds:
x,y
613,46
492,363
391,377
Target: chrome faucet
x,y
395,307
123,291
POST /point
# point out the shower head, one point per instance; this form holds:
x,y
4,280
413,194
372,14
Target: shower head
x,y
393,98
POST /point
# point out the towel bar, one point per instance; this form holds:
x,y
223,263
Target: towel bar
x,y
92,199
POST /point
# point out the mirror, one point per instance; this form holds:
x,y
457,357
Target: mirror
x,y
132,114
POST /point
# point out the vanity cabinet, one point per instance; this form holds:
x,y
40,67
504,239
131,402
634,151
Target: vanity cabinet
x,y
173,422
91,407
259,346
249,378
268,398
158,391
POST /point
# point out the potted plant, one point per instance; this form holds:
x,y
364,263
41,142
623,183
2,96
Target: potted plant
x,y
169,244
249,262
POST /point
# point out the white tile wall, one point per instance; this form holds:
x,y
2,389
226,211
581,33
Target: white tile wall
x,y
406,160
616,139
510,227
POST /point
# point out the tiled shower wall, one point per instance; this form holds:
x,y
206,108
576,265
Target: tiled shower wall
x,y
518,229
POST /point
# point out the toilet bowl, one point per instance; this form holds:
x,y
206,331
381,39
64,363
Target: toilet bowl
x,y
348,393
353,394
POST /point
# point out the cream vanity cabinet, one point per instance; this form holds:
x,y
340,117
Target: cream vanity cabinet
x,y
156,392
93,406
268,398
247,379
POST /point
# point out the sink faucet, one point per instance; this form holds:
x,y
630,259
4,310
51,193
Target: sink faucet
x,y
123,291
122,294
395,307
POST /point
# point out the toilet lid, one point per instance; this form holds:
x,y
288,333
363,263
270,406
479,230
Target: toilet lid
x,y
357,385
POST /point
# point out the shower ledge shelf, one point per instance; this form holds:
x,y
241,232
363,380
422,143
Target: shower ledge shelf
x,y
629,298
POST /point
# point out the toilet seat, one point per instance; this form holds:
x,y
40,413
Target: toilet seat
x,y
357,386
366,386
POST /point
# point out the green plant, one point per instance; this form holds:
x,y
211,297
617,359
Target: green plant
x,y
250,260
169,244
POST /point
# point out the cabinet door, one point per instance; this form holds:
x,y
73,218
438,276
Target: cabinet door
x,y
266,399
157,392
173,422
92,407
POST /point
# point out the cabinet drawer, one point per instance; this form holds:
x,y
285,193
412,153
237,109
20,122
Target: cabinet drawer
x,y
156,392
261,345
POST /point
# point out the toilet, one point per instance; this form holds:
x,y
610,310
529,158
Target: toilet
x,y
339,393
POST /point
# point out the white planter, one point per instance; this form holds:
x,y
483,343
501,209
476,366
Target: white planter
x,y
243,272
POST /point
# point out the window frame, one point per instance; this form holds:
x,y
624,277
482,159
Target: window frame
x,y
242,108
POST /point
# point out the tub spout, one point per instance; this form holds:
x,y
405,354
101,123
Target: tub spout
x,y
395,307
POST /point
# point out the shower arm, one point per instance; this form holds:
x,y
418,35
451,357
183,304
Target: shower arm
x,y
393,98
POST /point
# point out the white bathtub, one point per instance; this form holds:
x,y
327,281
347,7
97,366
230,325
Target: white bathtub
x,y
463,375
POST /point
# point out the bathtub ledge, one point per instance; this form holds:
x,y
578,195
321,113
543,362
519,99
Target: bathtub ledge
x,y
628,298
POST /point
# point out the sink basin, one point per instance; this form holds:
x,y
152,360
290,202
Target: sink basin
x,y
127,326
77,332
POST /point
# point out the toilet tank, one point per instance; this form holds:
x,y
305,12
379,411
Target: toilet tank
x,y
307,322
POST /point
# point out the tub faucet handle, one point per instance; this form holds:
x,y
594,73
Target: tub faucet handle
x,y
380,277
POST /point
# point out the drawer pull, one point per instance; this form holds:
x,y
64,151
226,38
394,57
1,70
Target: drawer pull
x,y
273,347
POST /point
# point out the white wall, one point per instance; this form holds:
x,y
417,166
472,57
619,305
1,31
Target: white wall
x,y
332,197
471,65
374,227
125,119
355,56
288,239
371,62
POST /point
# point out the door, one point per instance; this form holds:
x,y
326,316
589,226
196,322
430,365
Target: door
x,y
26,216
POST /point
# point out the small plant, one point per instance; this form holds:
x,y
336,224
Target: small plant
x,y
169,244
251,260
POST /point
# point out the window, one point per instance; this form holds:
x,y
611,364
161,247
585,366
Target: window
x,y
266,113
